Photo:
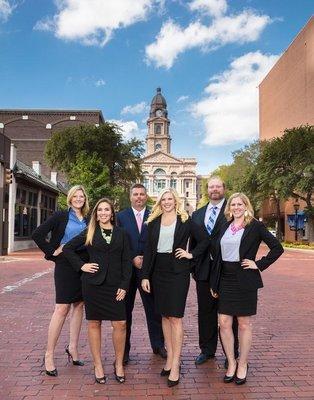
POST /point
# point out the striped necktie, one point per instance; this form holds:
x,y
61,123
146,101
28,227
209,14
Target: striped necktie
x,y
211,220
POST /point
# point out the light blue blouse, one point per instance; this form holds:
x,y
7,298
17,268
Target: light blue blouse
x,y
74,227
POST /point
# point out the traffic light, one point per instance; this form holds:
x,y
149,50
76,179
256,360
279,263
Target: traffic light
x,y
8,176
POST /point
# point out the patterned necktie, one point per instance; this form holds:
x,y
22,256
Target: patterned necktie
x,y
139,221
211,220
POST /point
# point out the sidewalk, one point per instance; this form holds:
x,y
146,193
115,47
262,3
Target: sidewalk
x,y
281,360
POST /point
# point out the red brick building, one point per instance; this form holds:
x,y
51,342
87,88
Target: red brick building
x,y
286,100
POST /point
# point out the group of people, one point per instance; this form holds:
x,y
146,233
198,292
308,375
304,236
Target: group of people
x,y
102,259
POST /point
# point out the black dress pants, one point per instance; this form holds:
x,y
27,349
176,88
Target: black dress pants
x,y
208,321
153,320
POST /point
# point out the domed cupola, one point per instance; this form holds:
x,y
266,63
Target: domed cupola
x,y
158,106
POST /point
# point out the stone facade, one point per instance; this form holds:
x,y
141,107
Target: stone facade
x,y
160,168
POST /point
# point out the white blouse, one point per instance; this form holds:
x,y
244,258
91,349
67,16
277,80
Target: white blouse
x,y
230,245
166,236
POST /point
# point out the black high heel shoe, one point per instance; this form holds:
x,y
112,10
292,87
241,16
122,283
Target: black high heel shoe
x,y
53,372
102,380
121,378
228,378
241,381
165,372
172,383
70,358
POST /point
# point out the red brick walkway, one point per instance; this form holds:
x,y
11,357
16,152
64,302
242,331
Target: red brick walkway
x,y
282,357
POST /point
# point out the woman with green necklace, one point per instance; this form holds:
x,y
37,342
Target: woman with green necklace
x,y
105,280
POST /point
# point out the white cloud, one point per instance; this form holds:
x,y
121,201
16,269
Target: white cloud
x,y
173,40
129,128
230,108
182,98
214,8
135,109
92,22
100,82
6,10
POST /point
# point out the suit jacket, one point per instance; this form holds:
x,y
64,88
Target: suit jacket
x,y
126,219
202,266
183,231
113,260
254,233
55,225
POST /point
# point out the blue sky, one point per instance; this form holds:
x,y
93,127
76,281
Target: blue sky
x,y
208,56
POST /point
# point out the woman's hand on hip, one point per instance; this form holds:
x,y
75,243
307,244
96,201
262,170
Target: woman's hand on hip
x,y
180,253
90,267
145,285
248,264
120,294
58,250
214,294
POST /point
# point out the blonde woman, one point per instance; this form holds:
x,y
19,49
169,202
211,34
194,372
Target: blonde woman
x,y
236,278
105,280
63,226
167,266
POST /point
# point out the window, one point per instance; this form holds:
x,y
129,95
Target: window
x,y
25,220
159,180
173,180
146,180
157,146
157,129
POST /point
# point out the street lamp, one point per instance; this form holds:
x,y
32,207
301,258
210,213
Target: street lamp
x,y
296,207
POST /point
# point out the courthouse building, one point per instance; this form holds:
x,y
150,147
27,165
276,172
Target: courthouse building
x,y
160,167
286,100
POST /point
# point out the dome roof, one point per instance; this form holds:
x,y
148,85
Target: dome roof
x,y
158,100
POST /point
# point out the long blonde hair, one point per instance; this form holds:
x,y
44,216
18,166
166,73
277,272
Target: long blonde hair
x,y
71,193
157,211
93,220
248,215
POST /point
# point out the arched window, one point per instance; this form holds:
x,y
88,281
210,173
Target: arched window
x,y
159,180
173,180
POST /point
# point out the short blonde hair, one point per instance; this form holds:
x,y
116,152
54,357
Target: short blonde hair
x,y
156,210
71,193
250,212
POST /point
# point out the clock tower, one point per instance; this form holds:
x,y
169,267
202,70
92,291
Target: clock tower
x,y
158,138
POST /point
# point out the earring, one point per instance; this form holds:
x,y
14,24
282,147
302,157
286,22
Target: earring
x,y
246,213
230,214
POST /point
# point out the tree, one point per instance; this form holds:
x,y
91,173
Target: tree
x,y
96,157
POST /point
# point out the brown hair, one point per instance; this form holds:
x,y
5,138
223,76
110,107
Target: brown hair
x,y
93,220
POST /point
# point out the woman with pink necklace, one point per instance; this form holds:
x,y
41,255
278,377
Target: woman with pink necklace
x,y
236,277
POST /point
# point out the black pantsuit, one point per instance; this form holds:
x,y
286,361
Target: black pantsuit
x,y
207,305
100,288
67,280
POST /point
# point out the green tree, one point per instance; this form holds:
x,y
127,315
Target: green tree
x,y
96,157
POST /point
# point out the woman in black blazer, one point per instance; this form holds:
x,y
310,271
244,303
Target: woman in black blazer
x,y
167,264
105,280
235,278
63,226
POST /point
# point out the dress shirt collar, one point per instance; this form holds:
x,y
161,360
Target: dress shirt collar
x,y
142,212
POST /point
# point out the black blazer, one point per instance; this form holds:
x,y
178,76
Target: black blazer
x,y
55,225
113,260
202,265
182,233
254,233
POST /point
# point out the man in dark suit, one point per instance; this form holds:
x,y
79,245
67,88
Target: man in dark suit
x,y
211,218
132,220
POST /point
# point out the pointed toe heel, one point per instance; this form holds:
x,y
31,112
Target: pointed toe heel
x,y
70,358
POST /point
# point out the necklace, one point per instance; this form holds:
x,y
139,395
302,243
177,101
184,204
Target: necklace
x,y
234,229
107,234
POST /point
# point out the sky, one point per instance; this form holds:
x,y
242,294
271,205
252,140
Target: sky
x,y
208,57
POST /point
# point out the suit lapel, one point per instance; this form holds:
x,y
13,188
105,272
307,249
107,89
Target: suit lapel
x,y
220,219
247,230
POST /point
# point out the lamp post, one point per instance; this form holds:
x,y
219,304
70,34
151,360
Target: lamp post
x,y
296,207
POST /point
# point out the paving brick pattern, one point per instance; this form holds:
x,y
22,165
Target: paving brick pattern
x,y
281,361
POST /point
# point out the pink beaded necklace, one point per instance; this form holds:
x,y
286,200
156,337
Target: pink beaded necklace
x,y
234,229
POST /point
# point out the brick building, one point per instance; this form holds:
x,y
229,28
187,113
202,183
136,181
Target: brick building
x,y
286,100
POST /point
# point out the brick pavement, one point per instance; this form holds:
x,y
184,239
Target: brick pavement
x,y
281,362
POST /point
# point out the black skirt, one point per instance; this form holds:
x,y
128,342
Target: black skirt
x,y
67,282
170,288
232,299
101,304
